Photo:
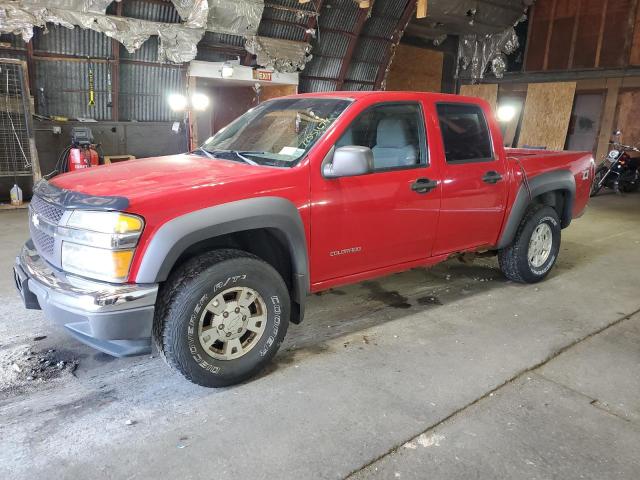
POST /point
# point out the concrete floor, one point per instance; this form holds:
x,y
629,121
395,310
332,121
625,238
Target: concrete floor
x,y
451,372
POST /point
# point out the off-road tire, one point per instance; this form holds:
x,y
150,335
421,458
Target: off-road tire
x,y
190,287
514,261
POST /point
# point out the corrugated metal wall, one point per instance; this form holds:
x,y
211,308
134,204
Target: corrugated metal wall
x,y
349,52
144,90
62,59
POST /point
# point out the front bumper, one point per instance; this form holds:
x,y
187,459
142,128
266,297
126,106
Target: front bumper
x,y
115,319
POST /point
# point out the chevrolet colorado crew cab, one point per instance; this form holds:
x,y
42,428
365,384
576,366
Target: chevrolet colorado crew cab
x,y
211,254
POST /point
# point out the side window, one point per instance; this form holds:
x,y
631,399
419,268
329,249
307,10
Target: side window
x,y
465,133
394,132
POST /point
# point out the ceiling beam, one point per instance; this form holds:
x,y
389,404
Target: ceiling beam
x,y
363,14
397,35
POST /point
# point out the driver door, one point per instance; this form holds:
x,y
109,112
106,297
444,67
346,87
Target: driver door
x,y
366,223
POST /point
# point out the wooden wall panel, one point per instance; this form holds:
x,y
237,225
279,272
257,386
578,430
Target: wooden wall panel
x,y
415,69
486,91
275,91
589,21
562,34
582,34
635,42
547,112
538,31
617,28
607,121
628,112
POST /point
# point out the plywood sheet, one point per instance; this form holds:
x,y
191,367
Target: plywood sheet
x,y
274,91
547,112
627,118
485,91
415,69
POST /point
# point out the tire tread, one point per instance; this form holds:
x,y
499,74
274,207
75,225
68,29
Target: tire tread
x,y
170,299
508,257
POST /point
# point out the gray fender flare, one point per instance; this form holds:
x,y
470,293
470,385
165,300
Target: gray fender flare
x,y
562,180
175,236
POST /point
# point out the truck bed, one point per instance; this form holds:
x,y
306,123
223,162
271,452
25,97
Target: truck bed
x,y
537,162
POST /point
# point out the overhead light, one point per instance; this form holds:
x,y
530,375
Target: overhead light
x,y
177,102
506,113
227,70
199,101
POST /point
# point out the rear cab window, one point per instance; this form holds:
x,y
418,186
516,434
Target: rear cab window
x,y
465,133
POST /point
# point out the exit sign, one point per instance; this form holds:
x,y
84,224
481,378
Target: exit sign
x,y
263,75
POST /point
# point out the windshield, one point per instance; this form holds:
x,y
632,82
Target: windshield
x,y
278,132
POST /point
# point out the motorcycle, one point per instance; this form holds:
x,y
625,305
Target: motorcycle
x,y
618,171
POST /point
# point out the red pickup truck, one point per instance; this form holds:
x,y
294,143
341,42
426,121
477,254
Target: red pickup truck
x,y
212,253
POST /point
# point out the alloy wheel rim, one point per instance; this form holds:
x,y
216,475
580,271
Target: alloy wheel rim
x,y
540,245
232,323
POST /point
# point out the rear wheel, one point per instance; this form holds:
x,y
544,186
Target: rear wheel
x,y
630,187
222,317
535,247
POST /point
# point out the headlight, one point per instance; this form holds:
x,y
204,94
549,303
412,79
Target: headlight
x,y
100,245
97,263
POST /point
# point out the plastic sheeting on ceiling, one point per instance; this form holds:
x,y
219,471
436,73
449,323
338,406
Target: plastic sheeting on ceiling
x,y
177,42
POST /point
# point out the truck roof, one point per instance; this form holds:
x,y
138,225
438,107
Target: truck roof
x,y
386,93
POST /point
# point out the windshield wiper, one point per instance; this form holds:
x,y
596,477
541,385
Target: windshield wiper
x,y
238,153
247,160
206,152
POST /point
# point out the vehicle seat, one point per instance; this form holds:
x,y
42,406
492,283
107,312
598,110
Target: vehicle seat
x,y
346,139
394,145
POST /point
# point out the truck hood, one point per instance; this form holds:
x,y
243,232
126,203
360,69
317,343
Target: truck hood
x,y
147,178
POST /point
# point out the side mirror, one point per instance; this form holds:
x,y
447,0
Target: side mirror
x,y
349,161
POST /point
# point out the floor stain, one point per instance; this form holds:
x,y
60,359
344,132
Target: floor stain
x,y
103,357
429,300
390,298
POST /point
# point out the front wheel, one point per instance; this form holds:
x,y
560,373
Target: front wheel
x,y
221,317
535,247
597,178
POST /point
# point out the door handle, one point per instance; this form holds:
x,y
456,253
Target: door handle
x,y
423,185
491,177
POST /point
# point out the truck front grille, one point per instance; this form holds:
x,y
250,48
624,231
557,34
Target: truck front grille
x,y
46,210
43,241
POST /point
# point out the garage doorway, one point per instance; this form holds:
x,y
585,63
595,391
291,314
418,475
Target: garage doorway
x,y
232,89
584,126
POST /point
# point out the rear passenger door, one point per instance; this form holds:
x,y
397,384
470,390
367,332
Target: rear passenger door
x,y
474,192
381,219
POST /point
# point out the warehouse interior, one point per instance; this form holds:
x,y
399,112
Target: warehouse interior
x,y
438,370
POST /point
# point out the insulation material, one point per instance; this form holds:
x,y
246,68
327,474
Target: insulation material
x,y
177,41
238,17
476,53
85,6
282,55
485,91
547,112
193,12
